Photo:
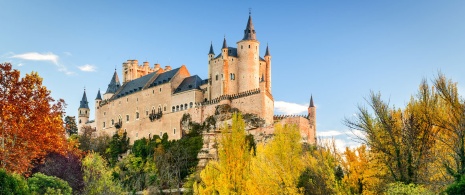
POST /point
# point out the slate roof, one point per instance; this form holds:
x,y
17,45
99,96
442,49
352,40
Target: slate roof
x,y
311,102
189,83
232,51
164,77
224,43
249,32
84,102
99,97
267,53
114,84
211,49
134,85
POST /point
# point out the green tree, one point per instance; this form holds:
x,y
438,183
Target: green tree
x,y
43,184
98,178
12,184
70,125
118,145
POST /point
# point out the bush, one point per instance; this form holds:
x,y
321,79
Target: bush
x,y
400,188
44,184
456,188
12,184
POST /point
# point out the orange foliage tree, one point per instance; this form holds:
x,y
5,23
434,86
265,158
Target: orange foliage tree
x,y
31,122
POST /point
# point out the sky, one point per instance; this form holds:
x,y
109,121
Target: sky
x,y
337,51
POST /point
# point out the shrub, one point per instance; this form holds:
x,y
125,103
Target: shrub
x,y
12,184
42,184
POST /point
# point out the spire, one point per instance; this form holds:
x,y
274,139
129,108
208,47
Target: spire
x,y
211,49
249,32
311,102
225,46
114,84
99,97
267,53
84,103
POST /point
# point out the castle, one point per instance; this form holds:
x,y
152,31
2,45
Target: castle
x,y
153,100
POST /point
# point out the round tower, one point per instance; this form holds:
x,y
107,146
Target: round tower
x,y
312,120
248,54
83,111
268,69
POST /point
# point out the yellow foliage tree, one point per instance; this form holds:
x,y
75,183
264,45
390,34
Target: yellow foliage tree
x,y
278,164
230,173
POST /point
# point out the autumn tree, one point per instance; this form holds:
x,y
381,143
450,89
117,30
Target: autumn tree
x,y
278,164
98,176
31,122
403,138
70,125
230,173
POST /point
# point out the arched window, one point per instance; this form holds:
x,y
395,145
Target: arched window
x,y
177,108
164,108
185,106
182,107
173,109
191,104
216,77
112,122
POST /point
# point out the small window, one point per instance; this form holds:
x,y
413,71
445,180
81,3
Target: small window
x,y
104,113
127,118
79,121
164,109
185,106
161,134
137,134
249,46
127,99
216,77
103,124
182,107
173,109
242,47
137,115
153,91
137,100
174,131
80,111
146,113
191,104
86,111
160,89
112,122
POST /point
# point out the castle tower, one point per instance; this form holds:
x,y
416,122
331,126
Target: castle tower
x,y
312,118
248,65
268,69
98,100
112,87
224,75
211,56
83,111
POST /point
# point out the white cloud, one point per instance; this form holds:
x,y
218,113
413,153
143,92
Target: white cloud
x,y
87,68
50,57
289,108
330,133
340,144
38,57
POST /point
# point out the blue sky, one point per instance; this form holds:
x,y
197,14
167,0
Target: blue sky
x,y
336,50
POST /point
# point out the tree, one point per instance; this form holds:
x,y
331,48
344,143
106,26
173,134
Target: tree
x,y
31,122
70,125
404,139
230,173
44,184
12,184
118,145
67,167
278,164
98,177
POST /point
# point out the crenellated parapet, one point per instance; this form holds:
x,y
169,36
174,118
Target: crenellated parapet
x,y
279,117
229,97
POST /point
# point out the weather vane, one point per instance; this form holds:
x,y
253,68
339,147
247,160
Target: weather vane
x,y
250,11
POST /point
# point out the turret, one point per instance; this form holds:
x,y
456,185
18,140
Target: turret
x,y
224,49
211,54
268,69
248,65
83,111
112,87
312,117
98,99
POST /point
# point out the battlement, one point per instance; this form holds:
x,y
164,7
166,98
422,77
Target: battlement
x,y
279,117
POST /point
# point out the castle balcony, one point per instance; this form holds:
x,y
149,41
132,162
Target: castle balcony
x,y
118,125
154,116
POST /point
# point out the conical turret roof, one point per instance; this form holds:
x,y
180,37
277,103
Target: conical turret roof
x,y
84,103
99,97
114,84
311,102
225,46
211,49
267,53
249,32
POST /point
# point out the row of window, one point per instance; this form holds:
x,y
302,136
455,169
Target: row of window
x,y
181,107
